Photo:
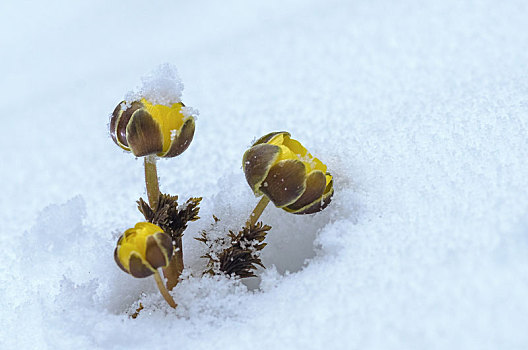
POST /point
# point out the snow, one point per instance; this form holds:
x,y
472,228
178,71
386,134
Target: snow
x,y
161,86
419,110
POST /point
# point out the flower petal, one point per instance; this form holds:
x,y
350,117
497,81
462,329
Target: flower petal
x,y
116,114
143,134
257,162
319,204
137,266
165,242
118,262
285,182
159,250
268,137
182,139
122,123
154,255
315,187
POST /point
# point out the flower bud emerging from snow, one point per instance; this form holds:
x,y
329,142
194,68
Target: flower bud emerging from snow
x,y
143,249
283,170
144,128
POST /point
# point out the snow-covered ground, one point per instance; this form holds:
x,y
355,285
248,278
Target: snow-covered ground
x,y
419,109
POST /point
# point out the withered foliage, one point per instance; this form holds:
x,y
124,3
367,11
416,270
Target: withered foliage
x,y
171,218
241,256
138,310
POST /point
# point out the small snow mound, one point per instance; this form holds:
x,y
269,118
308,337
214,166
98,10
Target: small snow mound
x,y
161,86
190,112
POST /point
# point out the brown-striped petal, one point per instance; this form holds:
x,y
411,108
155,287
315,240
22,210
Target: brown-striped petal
x,y
181,140
158,252
122,122
269,136
165,242
319,204
315,187
257,162
113,121
116,258
143,134
137,266
285,182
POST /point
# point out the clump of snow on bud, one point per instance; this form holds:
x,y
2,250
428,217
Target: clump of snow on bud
x,y
161,86
190,112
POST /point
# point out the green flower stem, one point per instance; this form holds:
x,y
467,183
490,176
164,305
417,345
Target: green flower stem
x,y
163,290
257,212
175,268
151,180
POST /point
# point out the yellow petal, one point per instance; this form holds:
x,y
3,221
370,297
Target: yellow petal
x,y
293,149
328,179
170,120
134,240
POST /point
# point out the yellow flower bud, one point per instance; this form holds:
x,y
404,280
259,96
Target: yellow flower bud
x,y
143,249
282,169
144,128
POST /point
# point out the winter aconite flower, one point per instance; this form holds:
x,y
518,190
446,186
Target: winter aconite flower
x,y
281,168
152,129
143,249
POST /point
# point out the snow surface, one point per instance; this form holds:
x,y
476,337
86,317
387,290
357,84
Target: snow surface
x,y
419,109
